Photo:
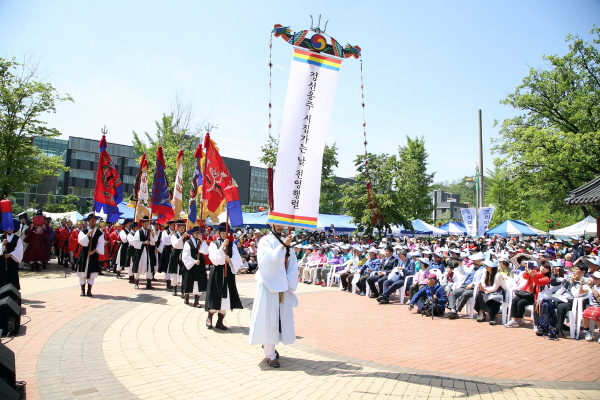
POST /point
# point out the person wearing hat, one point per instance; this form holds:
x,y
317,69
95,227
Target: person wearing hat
x,y
164,250
504,267
124,247
176,266
420,277
61,236
74,246
352,267
91,241
272,319
438,262
396,277
576,248
11,253
371,265
38,240
142,263
592,312
388,262
433,292
466,279
221,292
536,278
303,263
193,258
490,293
23,226
135,226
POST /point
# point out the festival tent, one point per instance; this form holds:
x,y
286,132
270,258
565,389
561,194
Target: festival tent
x,y
72,216
454,228
422,227
512,227
341,223
585,227
536,230
256,220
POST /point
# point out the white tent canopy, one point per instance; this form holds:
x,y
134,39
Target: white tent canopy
x,y
73,216
586,227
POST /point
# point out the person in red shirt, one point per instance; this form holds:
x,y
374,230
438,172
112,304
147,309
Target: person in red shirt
x,y
535,283
74,246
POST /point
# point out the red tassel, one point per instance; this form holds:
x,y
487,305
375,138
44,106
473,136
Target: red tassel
x,y
270,182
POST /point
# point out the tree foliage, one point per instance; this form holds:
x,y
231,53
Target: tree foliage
x,y
67,203
400,184
23,99
330,192
174,131
381,171
412,182
554,146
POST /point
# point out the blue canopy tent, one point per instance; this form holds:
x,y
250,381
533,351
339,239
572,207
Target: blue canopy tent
x,y
341,223
454,228
512,227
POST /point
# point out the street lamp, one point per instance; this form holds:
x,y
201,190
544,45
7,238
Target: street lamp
x,y
470,182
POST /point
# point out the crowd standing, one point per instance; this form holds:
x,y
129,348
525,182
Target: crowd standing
x,y
437,276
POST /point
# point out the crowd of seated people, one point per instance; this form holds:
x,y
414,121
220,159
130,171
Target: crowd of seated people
x,y
440,277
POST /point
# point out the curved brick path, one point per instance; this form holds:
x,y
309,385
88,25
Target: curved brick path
x,y
126,344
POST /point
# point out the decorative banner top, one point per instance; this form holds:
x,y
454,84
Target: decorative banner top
x,y
316,42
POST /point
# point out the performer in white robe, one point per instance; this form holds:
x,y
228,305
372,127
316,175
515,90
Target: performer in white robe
x,y
88,264
221,293
272,318
143,239
11,254
196,268
175,268
131,252
123,248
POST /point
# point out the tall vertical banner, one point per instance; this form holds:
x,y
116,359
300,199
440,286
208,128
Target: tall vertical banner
x,y
308,105
468,216
108,192
178,192
485,217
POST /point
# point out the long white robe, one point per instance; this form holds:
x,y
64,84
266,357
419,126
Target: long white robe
x,y
189,261
123,237
217,257
144,266
272,279
17,253
84,241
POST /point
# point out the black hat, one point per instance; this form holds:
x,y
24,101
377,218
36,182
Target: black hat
x,y
90,216
194,229
180,222
127,221
134,225
144,219
22,215
223,227
39,213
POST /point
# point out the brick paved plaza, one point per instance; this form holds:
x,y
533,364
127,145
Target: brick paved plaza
x,y
146,344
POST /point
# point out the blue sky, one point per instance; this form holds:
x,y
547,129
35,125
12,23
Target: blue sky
x,y
428,66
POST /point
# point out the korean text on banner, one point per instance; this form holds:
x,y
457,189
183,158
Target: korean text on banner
x,y
308,105
485,217
468,216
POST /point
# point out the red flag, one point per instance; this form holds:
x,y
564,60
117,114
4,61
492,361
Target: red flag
x,y
216,176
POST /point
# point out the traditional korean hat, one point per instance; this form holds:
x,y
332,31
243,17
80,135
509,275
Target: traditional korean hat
x,y
194,229
91,216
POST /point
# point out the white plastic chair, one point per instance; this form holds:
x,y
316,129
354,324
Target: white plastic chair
x,y
471,304
578,315
403,289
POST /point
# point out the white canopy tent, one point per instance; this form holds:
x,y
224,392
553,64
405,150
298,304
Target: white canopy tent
x,y
586,227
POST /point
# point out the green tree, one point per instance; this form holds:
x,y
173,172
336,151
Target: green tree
x,y
554,147
382,168
411,180
330,194
174,133
51,205
23,99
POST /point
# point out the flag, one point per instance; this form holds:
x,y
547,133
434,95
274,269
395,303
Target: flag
x,y
142,208
178,191
196,187
218,186
7,216
161,195
138,179
108,192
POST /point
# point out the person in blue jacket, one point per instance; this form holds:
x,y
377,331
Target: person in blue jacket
x,y
434,292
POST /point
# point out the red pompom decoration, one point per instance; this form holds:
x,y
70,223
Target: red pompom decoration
x,y
261,208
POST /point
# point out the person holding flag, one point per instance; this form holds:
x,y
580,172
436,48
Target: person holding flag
x,y
176,266
142,264
193,258
221,293
124,248
11,250
164,250
91,241
108,192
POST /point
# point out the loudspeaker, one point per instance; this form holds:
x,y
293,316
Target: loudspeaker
x,y
8,393
10,316
11,291
7,366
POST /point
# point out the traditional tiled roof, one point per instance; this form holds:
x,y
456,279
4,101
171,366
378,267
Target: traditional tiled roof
x,y
586,195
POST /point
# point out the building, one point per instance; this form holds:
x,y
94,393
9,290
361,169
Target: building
x,y
81,156
446,205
